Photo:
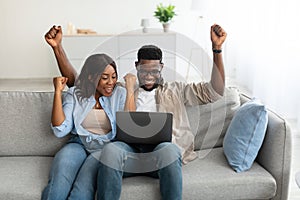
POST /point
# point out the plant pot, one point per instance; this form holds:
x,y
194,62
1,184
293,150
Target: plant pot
x,y
166,27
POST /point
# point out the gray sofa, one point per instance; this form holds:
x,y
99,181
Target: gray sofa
x,y
27,147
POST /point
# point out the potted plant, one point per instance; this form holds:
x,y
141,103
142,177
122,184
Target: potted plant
x,y
164,14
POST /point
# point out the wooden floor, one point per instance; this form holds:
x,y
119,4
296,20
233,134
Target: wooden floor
x,y
46,85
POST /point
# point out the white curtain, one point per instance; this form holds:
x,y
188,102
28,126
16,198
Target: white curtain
x,y
263,49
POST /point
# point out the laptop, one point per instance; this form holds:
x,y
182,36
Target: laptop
x,y
144,127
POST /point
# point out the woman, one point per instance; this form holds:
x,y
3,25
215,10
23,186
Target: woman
x,y
88,113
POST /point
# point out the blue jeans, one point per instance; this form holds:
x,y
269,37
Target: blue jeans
x,y
120,160
73,173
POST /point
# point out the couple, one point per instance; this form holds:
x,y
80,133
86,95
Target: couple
x,y
88,111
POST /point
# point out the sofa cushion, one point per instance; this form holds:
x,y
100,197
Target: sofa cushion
x,y
23,177
208,177
209,122
245,135
203,178
25,124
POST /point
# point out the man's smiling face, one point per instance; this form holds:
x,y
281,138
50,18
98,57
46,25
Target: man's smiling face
x,y
149,73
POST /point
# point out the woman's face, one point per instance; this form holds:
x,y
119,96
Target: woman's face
x,y
107,81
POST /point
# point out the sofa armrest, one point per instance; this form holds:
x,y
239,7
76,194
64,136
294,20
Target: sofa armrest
x,y
275,153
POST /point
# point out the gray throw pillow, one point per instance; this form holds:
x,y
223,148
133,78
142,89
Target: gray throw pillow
x,y
209,122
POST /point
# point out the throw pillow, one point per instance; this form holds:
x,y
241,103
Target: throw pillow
x,y
245,135
209,122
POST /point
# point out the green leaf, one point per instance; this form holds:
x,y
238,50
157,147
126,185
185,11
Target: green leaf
x,y
164,13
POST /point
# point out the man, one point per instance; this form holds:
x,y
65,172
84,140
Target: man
x,y
118,158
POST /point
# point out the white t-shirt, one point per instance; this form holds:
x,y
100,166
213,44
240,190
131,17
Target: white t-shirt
x,y
146,100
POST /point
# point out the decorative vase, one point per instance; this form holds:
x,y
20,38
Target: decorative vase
x,y
166,27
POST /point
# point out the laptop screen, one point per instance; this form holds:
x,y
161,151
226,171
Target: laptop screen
x,y
144,127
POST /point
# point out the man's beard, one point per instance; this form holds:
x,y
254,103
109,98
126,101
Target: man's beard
x,y
159,81
150,89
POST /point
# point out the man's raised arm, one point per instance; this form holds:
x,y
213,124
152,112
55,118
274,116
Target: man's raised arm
x,y
54,38
218,36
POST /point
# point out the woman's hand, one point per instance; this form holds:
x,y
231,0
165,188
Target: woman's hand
x,y
54,36
59,83
58,115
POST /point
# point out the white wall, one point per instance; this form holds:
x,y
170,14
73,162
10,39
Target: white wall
x,y
261,49
25,54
